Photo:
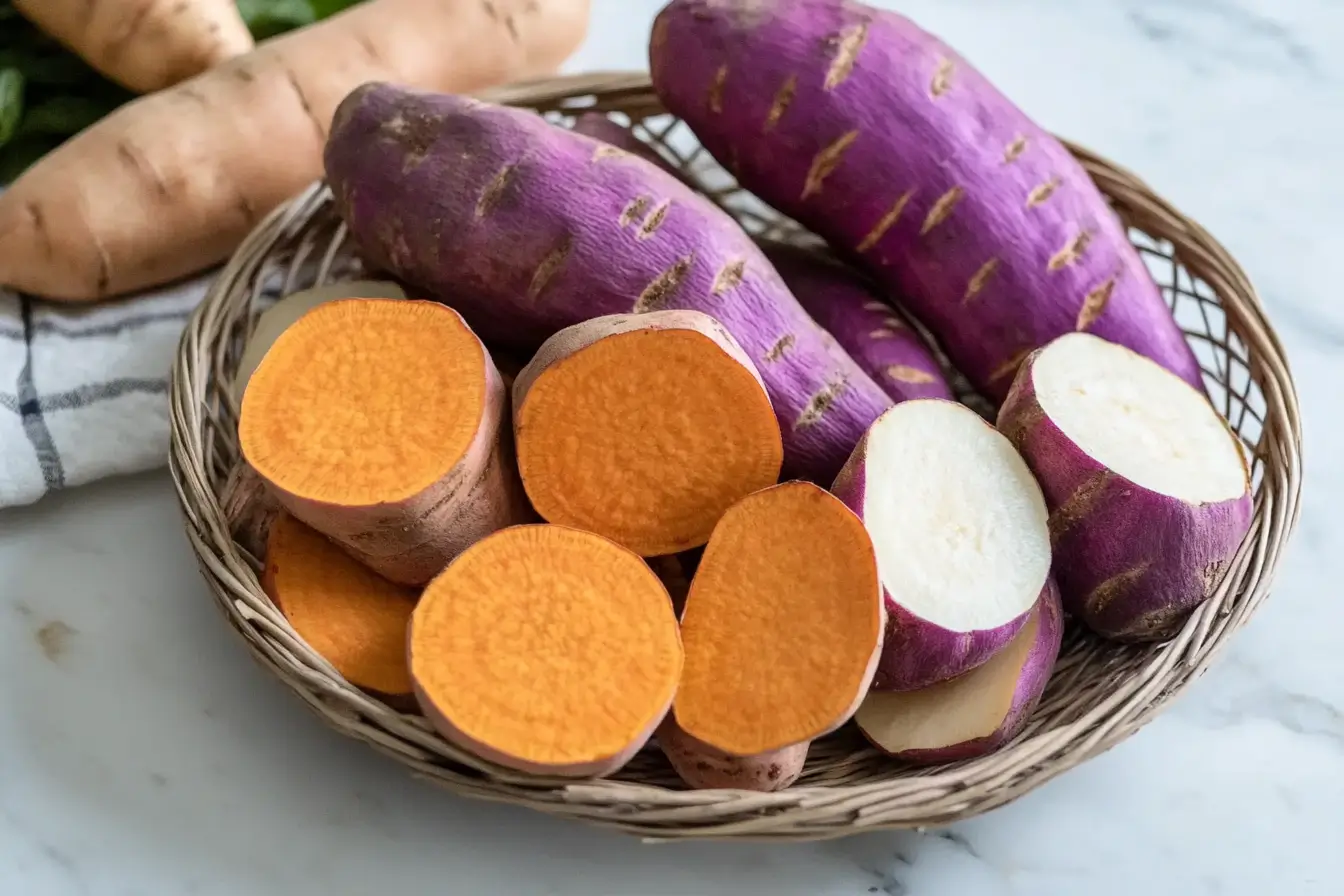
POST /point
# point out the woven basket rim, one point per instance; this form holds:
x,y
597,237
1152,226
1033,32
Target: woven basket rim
x,y
846,800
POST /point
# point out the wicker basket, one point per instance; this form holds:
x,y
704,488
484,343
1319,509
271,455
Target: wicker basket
x,y
1099,695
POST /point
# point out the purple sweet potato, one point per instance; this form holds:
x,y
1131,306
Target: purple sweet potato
x,y
959,526
878,137
527,228
977,712
864,326
602,127
1148,490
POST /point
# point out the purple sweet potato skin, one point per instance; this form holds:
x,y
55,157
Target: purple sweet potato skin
x,y
1131,564
601,127
885,142
526,228
870,330
915,652
1030,686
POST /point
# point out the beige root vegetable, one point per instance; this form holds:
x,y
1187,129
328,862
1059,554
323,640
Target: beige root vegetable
x,y
169,184
144,45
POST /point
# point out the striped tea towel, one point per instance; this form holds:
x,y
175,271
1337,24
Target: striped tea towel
x,y
84,389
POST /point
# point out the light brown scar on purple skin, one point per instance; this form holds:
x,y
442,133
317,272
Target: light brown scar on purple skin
x,y
1094,304
887,221
494,190
1042,192
942,78
826,162
662,287
1071,252
1013,150
550,266
848,44
716,90
781,346
780,105
1078,505
656,217
729,276
980,279
942,209
820,403
1116,586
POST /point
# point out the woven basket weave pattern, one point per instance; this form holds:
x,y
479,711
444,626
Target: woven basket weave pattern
x,y
1100,693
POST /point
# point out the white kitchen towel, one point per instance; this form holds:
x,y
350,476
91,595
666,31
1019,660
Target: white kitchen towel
x,y
84,389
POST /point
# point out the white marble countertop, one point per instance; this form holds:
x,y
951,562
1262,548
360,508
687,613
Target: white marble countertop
x,y
142,752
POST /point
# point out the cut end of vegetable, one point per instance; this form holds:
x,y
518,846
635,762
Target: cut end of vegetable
x,y
1139,420
960,529
644,429
365,401
351,617
782,625
548,650
1148,489
277,318
977,712
704,768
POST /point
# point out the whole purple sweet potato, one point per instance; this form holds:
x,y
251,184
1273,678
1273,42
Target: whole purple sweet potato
x,y
975,713
864,326
1148,490
526,229
878,137
959,526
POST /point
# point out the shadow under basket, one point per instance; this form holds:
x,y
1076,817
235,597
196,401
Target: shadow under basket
x,y
1100,692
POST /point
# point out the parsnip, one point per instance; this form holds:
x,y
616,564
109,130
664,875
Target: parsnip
x,y
169,184
144,45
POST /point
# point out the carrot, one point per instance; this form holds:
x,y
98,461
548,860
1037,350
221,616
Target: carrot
x,y
383,424
644,428
348,615
546,649
143,45
783,624
170,183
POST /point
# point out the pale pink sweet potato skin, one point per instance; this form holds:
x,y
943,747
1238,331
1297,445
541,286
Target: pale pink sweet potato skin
x,y
1132,564
249,509
526,229
880,138
869,329
1040,663
704,768
916,653
598,768
409,542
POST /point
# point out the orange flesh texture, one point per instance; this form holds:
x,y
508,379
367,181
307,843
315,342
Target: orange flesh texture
x,y
349,615
646,437
547,644
971,706
781,623
364,401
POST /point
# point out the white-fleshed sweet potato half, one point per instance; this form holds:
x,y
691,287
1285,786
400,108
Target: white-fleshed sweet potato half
x,y
1148,489
959,526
